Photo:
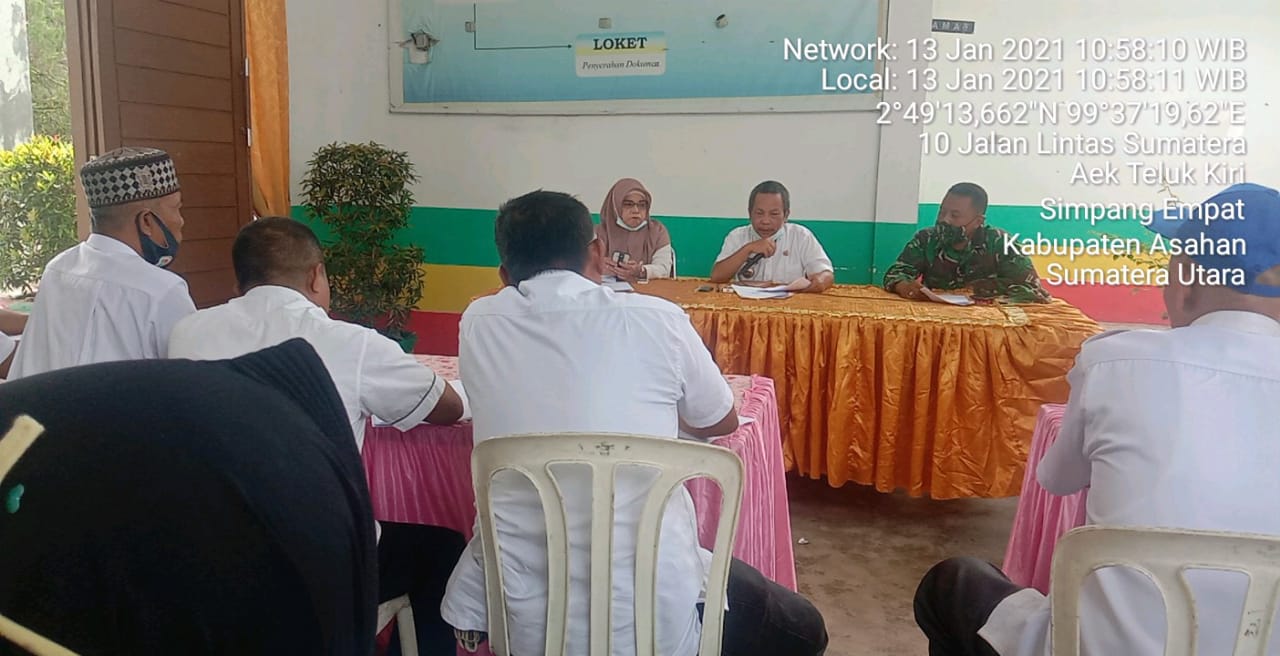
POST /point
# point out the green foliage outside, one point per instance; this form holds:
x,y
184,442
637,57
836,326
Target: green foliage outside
x,y
50,79
361,192
37,179
37,209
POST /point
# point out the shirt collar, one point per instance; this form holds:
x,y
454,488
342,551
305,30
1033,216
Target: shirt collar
x,y
1245,322
110,245
557,279
277,295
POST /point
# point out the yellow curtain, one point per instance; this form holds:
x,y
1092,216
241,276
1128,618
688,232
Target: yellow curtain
x,y
267,44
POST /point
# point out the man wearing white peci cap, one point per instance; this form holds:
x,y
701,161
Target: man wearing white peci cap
x,y
110,298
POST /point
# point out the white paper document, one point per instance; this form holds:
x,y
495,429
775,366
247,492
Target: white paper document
x,y
776,291
466,405
952,299
760,292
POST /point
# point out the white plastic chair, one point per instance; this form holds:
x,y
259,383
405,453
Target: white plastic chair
x,y
1164,556
400,609
677,462
15,443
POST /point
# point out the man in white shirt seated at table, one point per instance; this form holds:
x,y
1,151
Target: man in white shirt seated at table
x,y
279,269
110,298
555,352
772,251
1172,429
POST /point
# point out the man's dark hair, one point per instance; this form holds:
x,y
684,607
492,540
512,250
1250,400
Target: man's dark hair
x,y
108,219
541,231
275,250
977,195
770,187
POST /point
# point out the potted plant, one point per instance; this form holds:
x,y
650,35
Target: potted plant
x,y
361,193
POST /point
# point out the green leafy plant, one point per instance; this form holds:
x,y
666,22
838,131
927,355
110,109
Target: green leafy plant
x,y
361,192
37,209
50,79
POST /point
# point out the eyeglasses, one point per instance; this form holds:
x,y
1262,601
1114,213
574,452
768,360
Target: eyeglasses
x,y
632,205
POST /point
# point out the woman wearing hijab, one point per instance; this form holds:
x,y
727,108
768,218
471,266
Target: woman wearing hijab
x,y
181,507
636,246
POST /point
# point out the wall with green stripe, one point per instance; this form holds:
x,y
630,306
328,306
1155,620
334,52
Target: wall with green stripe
x,y
456,241
1026,220
454,236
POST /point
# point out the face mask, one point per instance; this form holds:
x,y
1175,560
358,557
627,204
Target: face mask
x,y
161,256
950,234
629,228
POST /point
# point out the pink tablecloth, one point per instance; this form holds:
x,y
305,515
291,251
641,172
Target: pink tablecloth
x,y
1042,517
423,476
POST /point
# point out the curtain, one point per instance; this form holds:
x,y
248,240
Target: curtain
x,y
267,45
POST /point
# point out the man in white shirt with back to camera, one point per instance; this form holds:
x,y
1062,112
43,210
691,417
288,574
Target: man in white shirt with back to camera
x,y
772,251
1172,429
110,298
280,273
556,352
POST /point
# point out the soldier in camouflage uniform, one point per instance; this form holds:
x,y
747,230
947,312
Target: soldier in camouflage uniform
x,y
961,251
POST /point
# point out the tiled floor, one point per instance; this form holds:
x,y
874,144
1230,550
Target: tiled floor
x,y
866,553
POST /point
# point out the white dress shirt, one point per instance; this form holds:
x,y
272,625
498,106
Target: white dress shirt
x,y
798,254
7,345
374,376
562,354
99,301
663,265
1169,429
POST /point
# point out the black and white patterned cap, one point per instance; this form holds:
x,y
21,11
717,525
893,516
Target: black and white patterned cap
x,y
128,174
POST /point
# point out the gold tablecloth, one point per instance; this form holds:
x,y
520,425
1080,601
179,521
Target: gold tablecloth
x,y
935,399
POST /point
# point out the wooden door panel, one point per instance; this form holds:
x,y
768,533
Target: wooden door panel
x,y
150,86
210,287
208,191
169,74
139,121
196,157
208,223
174,21
196,255
216,6
166,54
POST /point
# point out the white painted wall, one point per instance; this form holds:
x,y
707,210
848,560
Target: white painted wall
x,y
1025,180
695,165
16,120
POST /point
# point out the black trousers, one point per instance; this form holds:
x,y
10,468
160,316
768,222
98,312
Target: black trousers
x,y
954,601
418,560
766,618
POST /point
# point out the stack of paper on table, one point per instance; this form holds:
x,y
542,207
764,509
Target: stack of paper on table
x,y
952,299
777,291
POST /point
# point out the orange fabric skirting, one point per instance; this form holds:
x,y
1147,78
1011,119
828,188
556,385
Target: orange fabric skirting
x,y
935,399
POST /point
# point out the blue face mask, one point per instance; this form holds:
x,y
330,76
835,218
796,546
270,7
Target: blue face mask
x,y
161,256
